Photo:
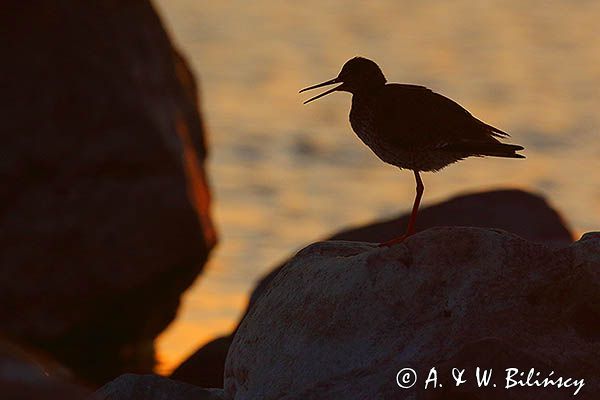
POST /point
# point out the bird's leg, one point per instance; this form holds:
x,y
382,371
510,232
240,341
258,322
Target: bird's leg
x,y
413,215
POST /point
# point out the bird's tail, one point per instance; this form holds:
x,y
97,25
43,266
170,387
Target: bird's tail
x,y
500,150
492,149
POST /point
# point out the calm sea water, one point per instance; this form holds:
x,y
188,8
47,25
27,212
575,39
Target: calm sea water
x,y
284,174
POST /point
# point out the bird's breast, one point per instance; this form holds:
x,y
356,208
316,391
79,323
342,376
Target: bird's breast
x,y
393,150
362,120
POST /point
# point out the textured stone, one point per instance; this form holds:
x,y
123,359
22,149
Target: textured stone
x,y
153,387
104,210
342,318
523,213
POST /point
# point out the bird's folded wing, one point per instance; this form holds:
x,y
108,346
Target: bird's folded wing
x,y
410,116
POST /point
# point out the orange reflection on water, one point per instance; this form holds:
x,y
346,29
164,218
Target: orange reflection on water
x,y
214,310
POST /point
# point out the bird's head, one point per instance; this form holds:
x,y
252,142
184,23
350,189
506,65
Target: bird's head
x,y
357,74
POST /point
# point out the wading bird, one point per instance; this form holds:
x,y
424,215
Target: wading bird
x,y
412,127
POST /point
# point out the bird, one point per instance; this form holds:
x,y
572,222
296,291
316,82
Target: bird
x,y
412,127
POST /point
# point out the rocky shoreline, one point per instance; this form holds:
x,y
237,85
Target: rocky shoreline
x,y
342,319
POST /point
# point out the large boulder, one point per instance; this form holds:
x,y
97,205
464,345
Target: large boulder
x,y
153,387
523,213
105,216
341,319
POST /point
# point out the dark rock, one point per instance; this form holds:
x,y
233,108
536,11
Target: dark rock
x,y
26,375
490,354
522,213
525,214
153,387
205,367
104,210
342,318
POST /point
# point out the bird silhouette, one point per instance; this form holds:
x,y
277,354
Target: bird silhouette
x,y
412,127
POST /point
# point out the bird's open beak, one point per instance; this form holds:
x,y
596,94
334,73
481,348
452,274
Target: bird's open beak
x,y
329,82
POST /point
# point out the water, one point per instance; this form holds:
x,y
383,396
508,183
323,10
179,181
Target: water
x,y
284,174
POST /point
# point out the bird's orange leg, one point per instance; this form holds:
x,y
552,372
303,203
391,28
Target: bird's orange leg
x,y
413,215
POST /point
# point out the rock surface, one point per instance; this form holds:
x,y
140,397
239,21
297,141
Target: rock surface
x,y
25,375
153,387
342,318
104,216
205,367
523,213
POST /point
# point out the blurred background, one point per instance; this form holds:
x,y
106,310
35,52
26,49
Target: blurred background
x,y
284,174
137,134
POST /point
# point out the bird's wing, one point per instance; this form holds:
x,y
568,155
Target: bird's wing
x,y
411,115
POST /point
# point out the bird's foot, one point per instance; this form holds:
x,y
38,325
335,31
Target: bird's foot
x,y
397,240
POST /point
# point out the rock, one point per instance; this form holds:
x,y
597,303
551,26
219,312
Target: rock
x,y
205,367
153,387
341,319
525,214
105,216
25,375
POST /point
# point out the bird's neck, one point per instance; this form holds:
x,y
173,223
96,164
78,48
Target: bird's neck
x,y
368,90
364,93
